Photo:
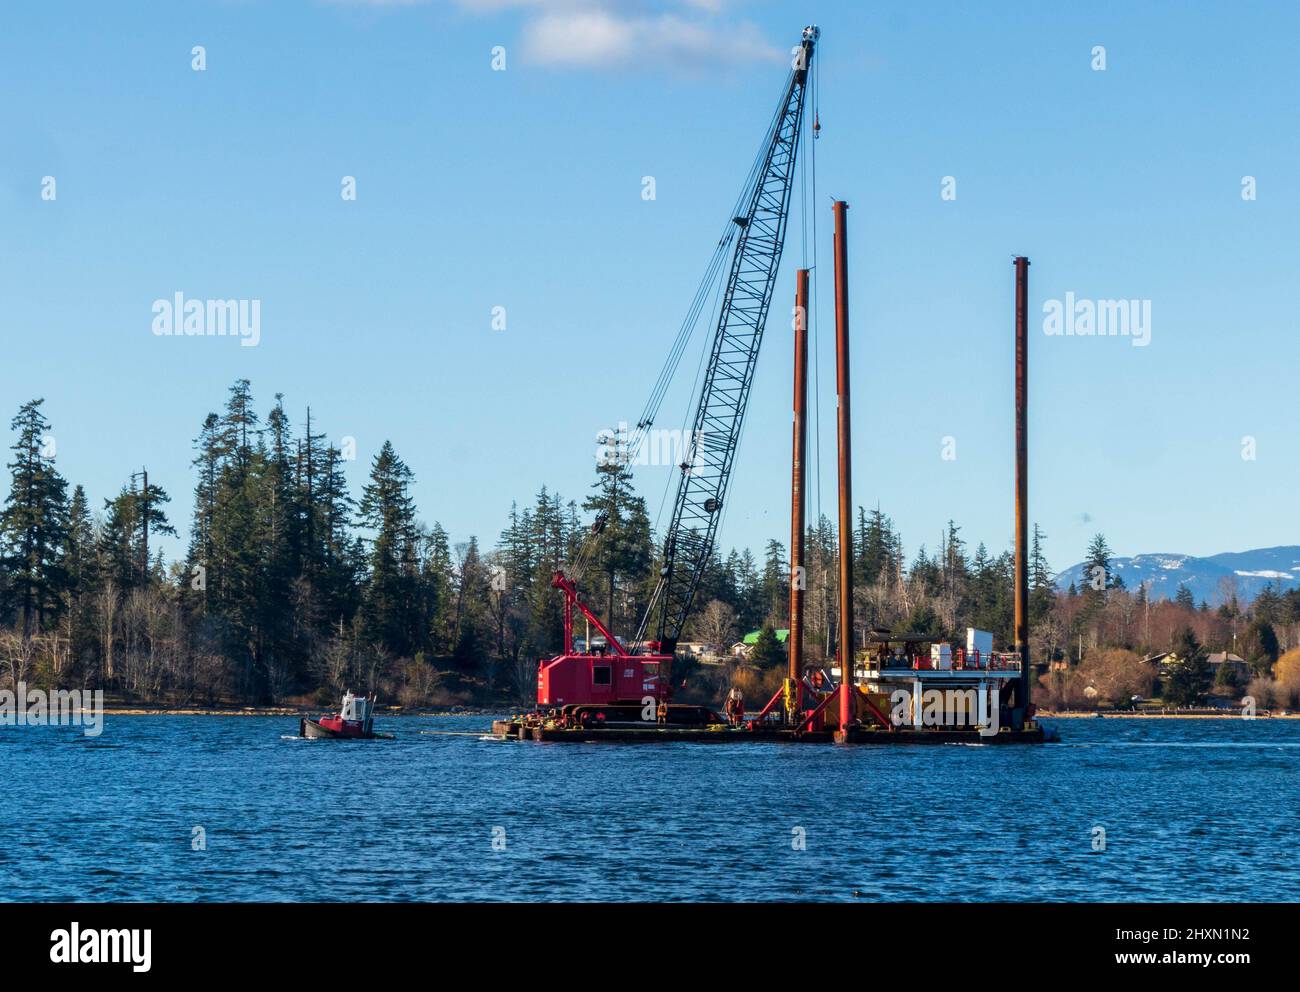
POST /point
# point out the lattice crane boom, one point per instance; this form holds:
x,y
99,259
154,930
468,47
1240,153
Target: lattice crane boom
x,y
720,411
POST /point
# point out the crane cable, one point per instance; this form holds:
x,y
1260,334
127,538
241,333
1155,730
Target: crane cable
x,y
804,212
631,448
663,499
745,198
814,92
628,450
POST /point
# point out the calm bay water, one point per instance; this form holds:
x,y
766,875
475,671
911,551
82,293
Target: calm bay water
x,y
1192,809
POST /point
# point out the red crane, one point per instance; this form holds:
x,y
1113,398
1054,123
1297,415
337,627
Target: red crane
x,y
620,684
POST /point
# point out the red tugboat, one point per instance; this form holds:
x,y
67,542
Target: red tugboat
x,y
353,722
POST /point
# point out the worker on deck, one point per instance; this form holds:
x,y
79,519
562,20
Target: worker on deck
x,y
735,707
662,712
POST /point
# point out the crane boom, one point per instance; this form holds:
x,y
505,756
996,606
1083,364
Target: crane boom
x,y
720,412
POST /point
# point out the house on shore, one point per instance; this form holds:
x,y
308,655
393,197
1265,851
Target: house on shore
x,y
743,647
1235,663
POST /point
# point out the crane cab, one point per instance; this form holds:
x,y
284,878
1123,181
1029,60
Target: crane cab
x,y
574,678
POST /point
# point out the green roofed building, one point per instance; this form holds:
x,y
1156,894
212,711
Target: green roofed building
x,y
751,638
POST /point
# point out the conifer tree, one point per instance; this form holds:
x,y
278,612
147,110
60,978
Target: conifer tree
x,y
1042,593
1190,677
33,525
388,514
768,652
209,455
439,616
80,562
473,585
776,583
621,549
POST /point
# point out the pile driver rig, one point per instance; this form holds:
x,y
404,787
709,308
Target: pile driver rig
x,y
622,692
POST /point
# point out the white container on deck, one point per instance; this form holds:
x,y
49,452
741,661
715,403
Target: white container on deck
x,y
941,657
978,640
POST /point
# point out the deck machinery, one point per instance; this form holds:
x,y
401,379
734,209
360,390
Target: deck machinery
x,y
623,692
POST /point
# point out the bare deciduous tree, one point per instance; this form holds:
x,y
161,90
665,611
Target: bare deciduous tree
x,y
717,626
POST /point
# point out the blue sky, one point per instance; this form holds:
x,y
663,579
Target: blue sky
x,y
522,189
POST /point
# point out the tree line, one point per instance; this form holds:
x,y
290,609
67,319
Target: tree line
x,y
292,587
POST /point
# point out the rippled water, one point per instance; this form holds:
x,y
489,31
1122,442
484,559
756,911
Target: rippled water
x,y
1192,810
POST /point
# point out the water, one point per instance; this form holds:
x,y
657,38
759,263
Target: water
x,y
1192,810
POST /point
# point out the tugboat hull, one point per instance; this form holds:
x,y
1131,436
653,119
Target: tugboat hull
x,y
313,730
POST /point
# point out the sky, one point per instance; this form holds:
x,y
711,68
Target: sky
x,y
523,188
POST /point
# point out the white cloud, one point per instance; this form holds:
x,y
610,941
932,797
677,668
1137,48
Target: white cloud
x,y
379,3
617,33
601,38
492,6
606,34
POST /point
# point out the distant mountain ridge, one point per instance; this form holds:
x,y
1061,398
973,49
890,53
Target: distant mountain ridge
x,y
1250,570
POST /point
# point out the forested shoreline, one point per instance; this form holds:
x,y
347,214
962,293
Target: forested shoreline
x,y
292,588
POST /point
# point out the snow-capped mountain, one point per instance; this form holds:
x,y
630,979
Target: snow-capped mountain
x,y
1251,571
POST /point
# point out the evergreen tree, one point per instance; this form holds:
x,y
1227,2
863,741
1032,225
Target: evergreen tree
x,y
926,574
955,566
439,613
985,593
1042,591
472,608
238,429
923,620
620,538
1098,579
80,562
1190,677
208,461
729,587
119,544
1268,604
550,541
768,652
235,576
285,595
1260,647
388,514
334,561
1097,566
131,518
749,592
776,583
33,525
874,535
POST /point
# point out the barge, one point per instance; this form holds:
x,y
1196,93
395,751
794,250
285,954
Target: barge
x,y
908,689
521,729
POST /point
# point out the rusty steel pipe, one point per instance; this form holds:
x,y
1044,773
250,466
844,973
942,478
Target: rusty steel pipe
x,y
798,476
1022,489
843,444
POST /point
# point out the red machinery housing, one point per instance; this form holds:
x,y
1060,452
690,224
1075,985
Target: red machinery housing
x,y
585,678
614,676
